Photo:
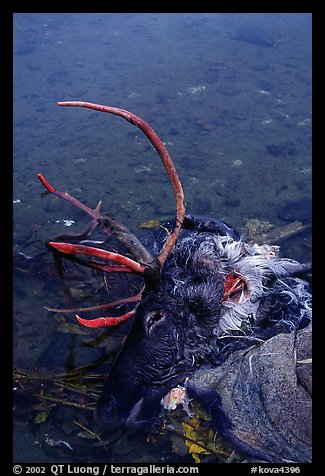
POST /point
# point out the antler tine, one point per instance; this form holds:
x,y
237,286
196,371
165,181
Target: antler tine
x,y
95,214
108,225
128,265
166,160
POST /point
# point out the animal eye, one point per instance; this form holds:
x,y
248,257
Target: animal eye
x,y
154,317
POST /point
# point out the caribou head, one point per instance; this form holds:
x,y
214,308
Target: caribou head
x,y
205,292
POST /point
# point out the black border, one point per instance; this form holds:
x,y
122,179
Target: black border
x,y
6,28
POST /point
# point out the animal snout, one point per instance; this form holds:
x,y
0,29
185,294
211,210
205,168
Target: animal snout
x,y
108,414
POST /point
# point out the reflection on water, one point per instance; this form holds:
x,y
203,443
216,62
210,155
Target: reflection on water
x,y
230,96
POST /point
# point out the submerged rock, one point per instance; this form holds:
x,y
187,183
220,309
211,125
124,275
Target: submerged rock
x,y
297,210
262,396
281,150
257,35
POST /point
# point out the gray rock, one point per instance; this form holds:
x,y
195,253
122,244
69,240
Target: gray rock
x,y
264,397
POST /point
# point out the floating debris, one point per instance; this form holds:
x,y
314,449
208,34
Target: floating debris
x,y
237,163
303,170
304,123
66,222
50,442
134,95
79,161
143,168
195,89
265,122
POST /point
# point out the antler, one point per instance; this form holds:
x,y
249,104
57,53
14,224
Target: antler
x,y
166,160
109,227
146,265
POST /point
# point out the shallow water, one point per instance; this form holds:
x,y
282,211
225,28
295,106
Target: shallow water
x,y
234,115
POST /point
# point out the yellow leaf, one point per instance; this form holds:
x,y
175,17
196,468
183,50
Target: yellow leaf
x,y
41,417
190,433
197,449
149,224
196,458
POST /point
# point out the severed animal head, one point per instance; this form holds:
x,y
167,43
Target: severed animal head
x,y
206,293
217,294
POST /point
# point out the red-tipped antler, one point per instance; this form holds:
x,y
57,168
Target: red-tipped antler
x,y
109,225
129,265
105,321
93,213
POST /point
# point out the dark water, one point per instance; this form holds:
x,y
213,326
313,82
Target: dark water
x,y
234,113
